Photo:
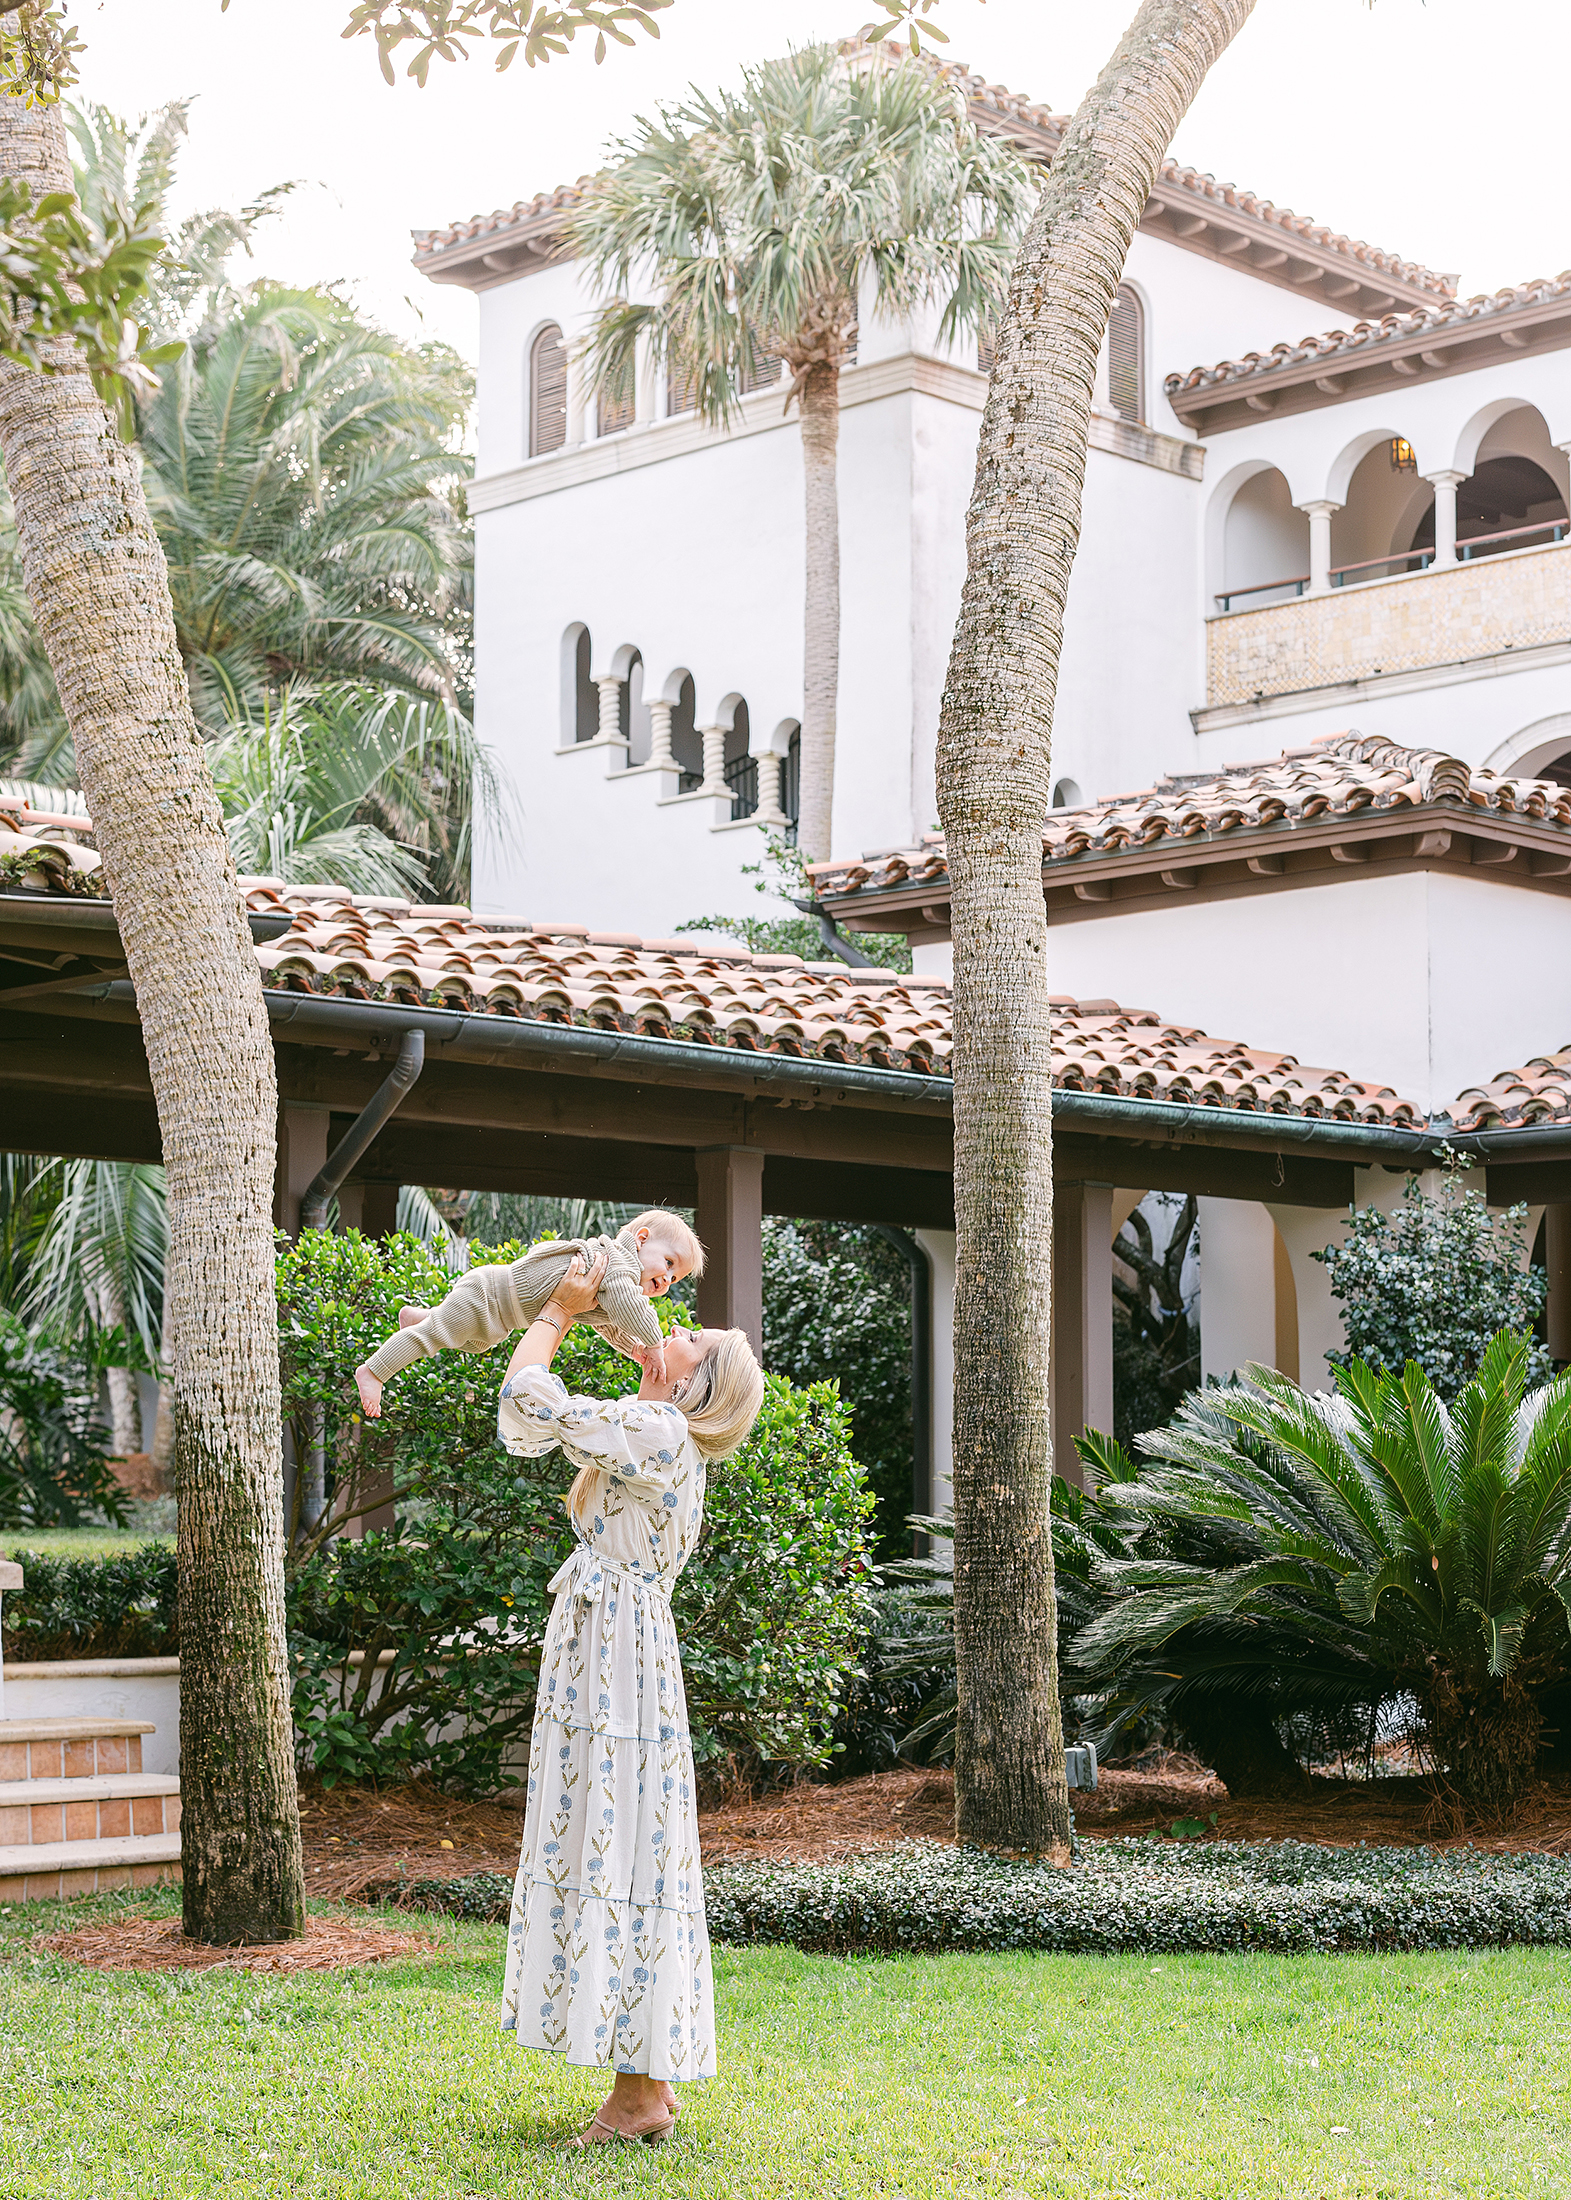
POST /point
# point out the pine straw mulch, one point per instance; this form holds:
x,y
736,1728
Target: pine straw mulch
x,y
158,1944
362,1844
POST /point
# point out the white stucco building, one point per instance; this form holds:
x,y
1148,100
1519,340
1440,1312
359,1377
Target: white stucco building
x,y
1359,528
1364,529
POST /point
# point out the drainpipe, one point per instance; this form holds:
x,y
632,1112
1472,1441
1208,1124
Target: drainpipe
x,y
384,1102
832,937
921,1368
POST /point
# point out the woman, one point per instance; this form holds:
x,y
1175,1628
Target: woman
x,y
608,1952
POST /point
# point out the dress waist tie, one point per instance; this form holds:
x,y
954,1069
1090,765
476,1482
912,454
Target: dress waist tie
x,y
586,1576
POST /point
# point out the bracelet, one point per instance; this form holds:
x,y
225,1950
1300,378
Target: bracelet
x,y
545,1315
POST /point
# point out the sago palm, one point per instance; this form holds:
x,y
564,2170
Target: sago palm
x,y
1317,1553
301,474
760,220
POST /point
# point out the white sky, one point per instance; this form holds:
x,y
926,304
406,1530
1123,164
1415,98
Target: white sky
x,y
1435,130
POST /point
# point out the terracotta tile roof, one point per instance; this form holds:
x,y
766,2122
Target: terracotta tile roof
x,y
682,989
46,851
1339,775
1352,345
429,243
1540,1092
1034,124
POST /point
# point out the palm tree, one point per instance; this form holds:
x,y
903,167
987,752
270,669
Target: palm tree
x,y
370,789
994,787
1329,1556
760,219
301,473
95,1276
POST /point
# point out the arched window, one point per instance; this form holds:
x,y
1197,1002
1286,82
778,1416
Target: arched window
x,y
547,392
1067,795
586,704
791,784
741,769
1126,343
687,743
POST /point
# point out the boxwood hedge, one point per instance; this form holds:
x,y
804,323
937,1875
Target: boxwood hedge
x,y
1136,1897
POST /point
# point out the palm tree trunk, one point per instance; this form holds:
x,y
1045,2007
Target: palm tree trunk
x,y
125,1412
994,778
820,402
95,576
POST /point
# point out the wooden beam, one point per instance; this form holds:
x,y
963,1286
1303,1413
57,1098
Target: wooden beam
x,y
1082,1343
729,1214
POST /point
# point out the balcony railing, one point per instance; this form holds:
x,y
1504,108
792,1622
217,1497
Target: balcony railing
x,y
1400,561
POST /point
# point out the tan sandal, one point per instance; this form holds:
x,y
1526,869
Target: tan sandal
x,y
598,2133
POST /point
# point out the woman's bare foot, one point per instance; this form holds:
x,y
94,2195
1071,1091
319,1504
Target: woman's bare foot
x,y
370,1393
636,2108
409,1315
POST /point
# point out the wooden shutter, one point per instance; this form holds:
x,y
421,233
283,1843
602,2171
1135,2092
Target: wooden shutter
x,y
547,392
986,349
614,413
1125,345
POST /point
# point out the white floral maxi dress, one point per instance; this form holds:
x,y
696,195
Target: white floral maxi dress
x,y
607,1948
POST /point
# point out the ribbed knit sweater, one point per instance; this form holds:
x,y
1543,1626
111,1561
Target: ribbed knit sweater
x,y
487,1304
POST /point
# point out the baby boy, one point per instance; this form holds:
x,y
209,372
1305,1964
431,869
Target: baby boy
x,y
489,1303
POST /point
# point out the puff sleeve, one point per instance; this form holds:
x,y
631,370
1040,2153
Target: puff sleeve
x,y
636,1441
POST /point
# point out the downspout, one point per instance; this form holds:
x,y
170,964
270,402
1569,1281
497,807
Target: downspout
x,y
383,1103
833,938
921,1369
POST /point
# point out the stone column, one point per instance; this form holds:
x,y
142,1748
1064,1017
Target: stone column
x,y
1557,1264
1320,544
661,753
610,686
729,1218
578,406
1082,1347
939,1246
1446,486
769,811
714,763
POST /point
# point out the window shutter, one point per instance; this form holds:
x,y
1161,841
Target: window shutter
x,y
547,392
1125,344
614,413
986,350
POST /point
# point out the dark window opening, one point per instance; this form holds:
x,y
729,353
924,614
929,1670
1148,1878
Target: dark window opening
x,y
687,744
586,714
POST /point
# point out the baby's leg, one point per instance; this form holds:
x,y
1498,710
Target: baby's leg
x,y
370,1393
409,1315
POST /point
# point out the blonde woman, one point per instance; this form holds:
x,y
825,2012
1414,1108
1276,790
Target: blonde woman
x,y
607,1949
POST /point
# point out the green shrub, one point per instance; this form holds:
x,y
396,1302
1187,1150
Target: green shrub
x,y
122,1606
1148,1898
1289,1554
448,1607
1434,1282
53,1472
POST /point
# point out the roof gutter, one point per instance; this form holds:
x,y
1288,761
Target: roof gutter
x,y
383,1103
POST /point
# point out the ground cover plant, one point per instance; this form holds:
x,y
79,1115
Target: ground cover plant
x,y
931,2076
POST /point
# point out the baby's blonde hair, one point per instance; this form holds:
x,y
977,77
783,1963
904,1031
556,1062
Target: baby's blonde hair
x,y
719,1403
670,1229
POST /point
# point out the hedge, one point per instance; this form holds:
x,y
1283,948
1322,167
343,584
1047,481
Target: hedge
x,y
1135,1897
1139,1897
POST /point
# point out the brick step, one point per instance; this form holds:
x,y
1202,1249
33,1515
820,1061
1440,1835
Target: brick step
x,y
43,1871
111,1808
71,1749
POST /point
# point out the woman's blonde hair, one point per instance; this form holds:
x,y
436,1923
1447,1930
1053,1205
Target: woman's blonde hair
x,y
719,1402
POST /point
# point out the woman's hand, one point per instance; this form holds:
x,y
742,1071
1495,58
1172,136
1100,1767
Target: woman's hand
x,y
580,1287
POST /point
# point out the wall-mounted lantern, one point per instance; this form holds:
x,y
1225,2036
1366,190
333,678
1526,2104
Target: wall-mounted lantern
x,y
1404,459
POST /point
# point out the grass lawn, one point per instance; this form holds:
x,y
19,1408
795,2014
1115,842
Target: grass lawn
x,y
76,1543
996,2075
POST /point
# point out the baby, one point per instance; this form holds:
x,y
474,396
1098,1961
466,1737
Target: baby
x,y
487,1304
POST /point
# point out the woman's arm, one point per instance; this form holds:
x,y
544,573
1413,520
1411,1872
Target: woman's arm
x,y
574,1295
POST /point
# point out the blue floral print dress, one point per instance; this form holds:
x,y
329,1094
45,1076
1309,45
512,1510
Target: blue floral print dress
x,y
607,1949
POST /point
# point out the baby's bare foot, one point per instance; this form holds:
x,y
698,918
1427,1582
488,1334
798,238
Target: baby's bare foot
x,y
409,1315
370,1393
